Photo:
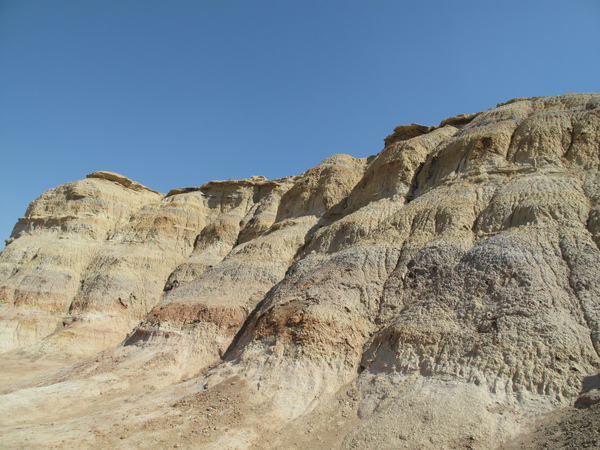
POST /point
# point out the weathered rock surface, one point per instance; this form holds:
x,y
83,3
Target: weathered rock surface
x,y
205,313
125,244
440,294
41,268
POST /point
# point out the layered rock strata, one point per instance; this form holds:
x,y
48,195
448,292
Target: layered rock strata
x,y
91,258
204,314
439,294
41,268
469,275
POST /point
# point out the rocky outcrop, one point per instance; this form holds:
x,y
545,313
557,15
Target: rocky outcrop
x,y
467,271
205,313
41,268
127,240
439,294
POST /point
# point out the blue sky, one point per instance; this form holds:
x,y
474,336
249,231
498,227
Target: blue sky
x,y
175,93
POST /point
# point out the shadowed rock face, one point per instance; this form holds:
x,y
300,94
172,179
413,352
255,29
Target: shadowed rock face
x,y
452,280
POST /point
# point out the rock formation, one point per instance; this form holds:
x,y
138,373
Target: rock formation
x,y
50,249
440,294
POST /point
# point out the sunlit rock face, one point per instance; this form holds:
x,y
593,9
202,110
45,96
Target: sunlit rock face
x,y
441,291
50,249
464,267
91,258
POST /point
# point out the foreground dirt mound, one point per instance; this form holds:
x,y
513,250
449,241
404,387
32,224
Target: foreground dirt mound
x,y
443,293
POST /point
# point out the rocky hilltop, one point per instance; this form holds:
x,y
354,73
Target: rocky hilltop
x,y
444,293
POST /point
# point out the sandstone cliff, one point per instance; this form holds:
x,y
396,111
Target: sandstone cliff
x,y
90,258
439,294
41,268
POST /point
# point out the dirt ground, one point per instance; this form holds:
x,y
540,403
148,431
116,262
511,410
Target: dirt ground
x,y
14,368
192,414
196,414
565,428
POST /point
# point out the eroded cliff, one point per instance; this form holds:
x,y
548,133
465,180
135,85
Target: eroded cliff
x,y
436,295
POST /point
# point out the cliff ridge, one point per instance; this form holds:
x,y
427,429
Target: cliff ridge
x,y
443,293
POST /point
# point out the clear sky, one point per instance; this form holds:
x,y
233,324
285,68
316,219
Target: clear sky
x,y
175,93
